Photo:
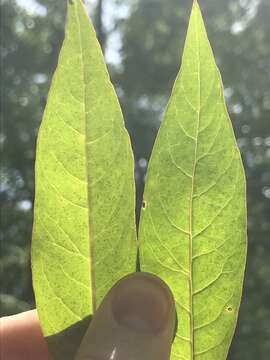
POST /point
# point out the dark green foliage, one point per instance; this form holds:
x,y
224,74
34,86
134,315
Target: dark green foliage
x,y
29,47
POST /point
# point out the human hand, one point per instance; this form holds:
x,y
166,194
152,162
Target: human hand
x,y
135,321
21,338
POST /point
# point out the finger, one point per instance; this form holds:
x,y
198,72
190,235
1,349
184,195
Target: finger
x,y
135,321
21,338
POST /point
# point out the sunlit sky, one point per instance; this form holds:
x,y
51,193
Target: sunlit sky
x,y
109,13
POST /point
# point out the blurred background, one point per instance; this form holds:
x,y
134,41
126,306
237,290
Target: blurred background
x,y
142,41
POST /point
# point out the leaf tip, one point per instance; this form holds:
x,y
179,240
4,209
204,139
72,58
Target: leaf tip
x,y
195,3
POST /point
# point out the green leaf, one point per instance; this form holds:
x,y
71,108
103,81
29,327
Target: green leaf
x,y
193,222
84,236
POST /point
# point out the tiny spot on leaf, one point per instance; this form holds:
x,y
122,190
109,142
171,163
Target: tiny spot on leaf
x,y
144,204
229,309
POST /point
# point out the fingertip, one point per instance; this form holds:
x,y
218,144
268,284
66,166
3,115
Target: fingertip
x,y
142,302
136,320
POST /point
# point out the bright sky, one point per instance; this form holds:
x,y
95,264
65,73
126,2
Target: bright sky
x,y
110,12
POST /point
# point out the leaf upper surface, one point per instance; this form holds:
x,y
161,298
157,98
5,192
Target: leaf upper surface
x,y
193,223
84,236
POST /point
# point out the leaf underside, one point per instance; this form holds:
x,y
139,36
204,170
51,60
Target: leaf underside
x,y
193,223
84,235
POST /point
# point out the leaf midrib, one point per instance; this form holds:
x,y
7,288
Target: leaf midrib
x,y
191,294
91,242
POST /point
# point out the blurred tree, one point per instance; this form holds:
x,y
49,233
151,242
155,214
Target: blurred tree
x,y
152,33
99,24
29,49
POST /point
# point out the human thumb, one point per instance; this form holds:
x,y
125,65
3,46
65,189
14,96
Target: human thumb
x,y
135,321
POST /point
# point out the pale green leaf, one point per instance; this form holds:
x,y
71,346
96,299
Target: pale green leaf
x,y
84,236
193,221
